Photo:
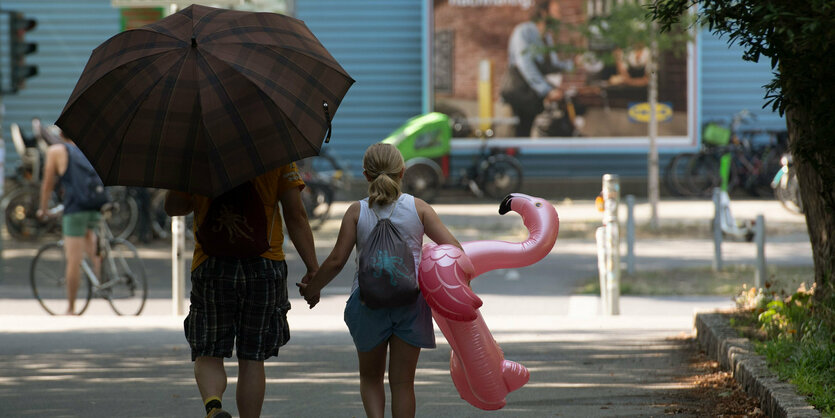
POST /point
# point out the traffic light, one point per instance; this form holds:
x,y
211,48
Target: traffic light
x,y
19,49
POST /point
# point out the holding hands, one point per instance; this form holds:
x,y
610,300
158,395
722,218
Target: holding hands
x,y
308,292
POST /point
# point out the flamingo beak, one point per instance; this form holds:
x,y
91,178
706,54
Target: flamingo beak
x,y
504,207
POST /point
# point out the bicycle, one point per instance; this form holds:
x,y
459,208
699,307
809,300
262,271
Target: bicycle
x,y
786,188
19,210
122,279
161,222
125,212
728,159
425,142
323,175
21,199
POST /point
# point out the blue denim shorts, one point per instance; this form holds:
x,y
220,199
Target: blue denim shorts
x,y
241,303
370,327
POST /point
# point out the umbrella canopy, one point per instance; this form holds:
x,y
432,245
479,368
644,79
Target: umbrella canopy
x,y
204,99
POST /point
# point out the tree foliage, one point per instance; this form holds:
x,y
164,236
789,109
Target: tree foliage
x,y
798,37
628,24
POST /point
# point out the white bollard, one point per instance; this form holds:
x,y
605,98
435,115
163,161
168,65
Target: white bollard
x,y
611,196
759,239
178,283
600,235
630,234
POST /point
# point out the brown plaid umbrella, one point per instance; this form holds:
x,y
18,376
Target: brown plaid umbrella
x,y
204,100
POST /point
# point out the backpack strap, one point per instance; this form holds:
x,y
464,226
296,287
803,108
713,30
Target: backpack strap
x,y
390,213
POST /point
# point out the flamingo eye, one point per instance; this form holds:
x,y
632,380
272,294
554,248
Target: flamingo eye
x,y
538,204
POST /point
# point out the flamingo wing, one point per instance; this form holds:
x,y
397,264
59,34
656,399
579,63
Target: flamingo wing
x,y
444,277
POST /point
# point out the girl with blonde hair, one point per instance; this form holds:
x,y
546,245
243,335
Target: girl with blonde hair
x,y
402,330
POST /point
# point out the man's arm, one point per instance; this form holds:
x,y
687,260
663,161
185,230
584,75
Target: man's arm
x,y
298,229
525,45
178,203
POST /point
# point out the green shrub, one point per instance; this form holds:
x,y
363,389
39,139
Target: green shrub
x,y
797,338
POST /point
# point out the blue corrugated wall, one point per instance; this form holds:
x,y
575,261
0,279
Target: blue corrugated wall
x,y
730,84
379,44
67,32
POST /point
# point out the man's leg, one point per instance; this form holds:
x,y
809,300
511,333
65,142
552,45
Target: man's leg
x,y
210,376
74,252
372,370
251,386
402,365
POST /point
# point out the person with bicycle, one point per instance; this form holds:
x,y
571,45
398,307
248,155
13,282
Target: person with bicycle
x,y
242,301
531,57
83,198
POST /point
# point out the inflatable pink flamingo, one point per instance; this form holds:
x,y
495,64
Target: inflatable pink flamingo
x,y
479,371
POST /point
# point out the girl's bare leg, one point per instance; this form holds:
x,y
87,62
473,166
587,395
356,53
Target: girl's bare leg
x,y
402,365
372,366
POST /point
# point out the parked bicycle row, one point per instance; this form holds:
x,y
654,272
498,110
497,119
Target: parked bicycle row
x,y
731,158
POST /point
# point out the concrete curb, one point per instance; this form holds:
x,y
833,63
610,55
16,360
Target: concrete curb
x,y
721,342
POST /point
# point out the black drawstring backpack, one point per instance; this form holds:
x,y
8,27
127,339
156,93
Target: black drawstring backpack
x,y
387,276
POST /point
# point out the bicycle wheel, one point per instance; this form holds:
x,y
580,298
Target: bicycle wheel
x,y
499,175
125,213
675,174
49,284
20,212
702,174
161,222
317,198
788,194
422,179
124,282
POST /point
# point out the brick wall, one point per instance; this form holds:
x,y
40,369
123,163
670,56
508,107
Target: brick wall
x,y
482,32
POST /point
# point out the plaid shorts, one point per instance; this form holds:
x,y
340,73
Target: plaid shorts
x,y
238,302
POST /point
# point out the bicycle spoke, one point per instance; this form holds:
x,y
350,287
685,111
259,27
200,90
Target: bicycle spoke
x,y
48,280
125,286
500,176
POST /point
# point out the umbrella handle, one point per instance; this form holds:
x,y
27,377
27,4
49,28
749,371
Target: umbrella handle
x,y
328,118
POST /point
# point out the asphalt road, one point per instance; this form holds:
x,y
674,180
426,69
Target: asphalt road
x,y
581,363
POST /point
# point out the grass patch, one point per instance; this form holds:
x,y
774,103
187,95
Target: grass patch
x,y
796,334
703,281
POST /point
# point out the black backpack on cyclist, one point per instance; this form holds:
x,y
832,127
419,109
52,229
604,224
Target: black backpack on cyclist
x,y
87,188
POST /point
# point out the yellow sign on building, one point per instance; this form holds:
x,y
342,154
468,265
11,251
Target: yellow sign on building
x,y
640,112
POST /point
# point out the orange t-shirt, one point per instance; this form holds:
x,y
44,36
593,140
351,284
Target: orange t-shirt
x,y
270,187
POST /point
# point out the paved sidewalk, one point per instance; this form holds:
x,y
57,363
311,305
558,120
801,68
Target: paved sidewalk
x,y
582,364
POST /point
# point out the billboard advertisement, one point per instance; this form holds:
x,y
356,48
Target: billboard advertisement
x,y
556,72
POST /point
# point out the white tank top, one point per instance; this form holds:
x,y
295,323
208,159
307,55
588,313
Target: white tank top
x,y
403,215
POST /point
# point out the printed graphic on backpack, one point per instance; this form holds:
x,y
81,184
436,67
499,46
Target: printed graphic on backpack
x,y
392,266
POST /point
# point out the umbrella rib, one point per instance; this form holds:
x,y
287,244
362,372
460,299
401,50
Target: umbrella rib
x,y
101,61
96,122
139,102
330,96
250,75
325,58
235,116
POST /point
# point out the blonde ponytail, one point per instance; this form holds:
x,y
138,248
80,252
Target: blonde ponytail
x,y
383,164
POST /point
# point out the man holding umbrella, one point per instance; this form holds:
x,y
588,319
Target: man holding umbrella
x,y
243,301
206,102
